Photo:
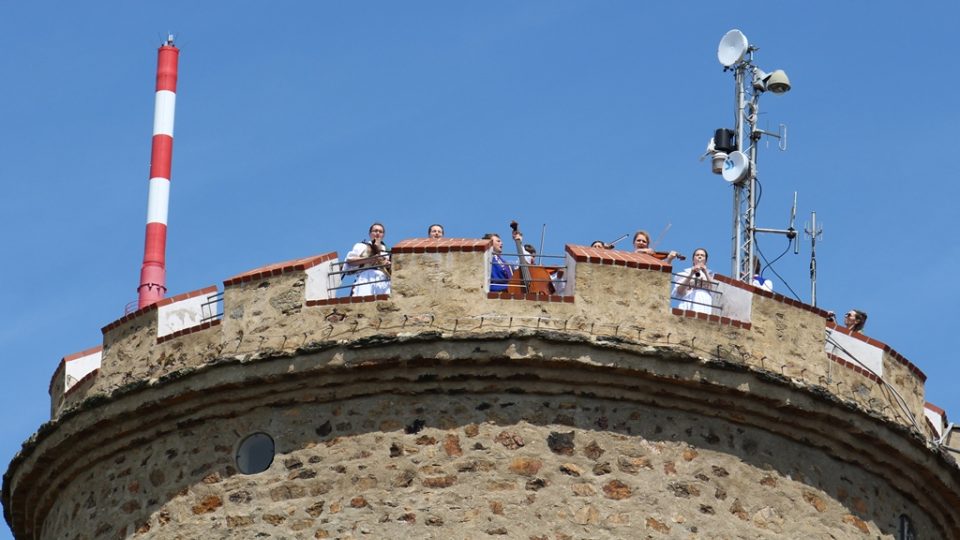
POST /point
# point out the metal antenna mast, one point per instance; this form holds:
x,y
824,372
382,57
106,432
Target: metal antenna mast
x,y
734,157
815,232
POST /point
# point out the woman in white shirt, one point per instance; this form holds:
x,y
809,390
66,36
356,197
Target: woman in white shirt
x,y
694,286
373,258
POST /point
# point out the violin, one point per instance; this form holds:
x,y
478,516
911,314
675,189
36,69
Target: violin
x,y
531,278
662,255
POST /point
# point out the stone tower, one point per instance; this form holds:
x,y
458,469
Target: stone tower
x,y
271,408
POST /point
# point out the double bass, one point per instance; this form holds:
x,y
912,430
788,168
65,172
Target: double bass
x,y
530,278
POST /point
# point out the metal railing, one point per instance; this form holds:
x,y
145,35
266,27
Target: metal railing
x,y
709,286
212,308
343,276
516,265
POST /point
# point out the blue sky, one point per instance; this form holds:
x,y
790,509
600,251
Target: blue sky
x,y
299,123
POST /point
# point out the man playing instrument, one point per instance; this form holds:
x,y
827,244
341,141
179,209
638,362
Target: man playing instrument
x,y
500,270
372,259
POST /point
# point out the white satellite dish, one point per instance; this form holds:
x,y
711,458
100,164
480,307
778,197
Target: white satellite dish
x,y
732,48
736,167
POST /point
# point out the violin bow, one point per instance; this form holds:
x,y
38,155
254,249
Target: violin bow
x,y
660,237
611,244
543,233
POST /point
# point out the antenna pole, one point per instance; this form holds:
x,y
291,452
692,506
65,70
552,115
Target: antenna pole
x,y
738,189
744,252
153,271
813,232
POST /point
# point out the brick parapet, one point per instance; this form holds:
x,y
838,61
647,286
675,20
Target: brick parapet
x,y
639,261
187,331
276,269
442,281
61,366
890,351
722,321
440,245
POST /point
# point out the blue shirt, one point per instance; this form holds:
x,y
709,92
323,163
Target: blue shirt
x,y
500,274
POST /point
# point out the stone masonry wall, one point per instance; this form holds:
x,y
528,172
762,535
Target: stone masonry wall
x,y
441,412
444,292
476,467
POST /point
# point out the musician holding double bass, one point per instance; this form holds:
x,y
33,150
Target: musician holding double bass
x,y
500,270
371,259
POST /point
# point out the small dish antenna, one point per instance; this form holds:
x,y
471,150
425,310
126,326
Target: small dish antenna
x,y
736,167
732,48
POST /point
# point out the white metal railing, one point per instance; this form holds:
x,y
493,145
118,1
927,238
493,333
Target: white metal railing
x,y
702,295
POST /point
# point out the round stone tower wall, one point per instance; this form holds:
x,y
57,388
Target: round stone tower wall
x,y
444,411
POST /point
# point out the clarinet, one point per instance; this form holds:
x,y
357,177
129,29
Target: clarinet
x,y
376,250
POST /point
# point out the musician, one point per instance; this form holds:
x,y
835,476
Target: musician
x,y
759,280
531,253
435,231
855,320
372,259
694,286
600,244
641,244
500,270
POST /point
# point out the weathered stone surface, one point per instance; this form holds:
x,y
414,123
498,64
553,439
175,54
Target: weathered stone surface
x,y
525,466
561,443
207,504
593,451
657,525
451,445
815,500
616,490
375,404
439,481
856,522
510,440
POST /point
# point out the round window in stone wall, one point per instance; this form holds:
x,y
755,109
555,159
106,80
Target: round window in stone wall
x,y
255,453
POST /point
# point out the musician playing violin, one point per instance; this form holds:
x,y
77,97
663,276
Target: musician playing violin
x,y
641,244
372,259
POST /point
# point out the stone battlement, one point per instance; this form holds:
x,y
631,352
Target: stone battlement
x,y
446,410
441,287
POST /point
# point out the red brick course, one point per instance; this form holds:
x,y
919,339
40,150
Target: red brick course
x,y
880,345
441,245
191,330
640,261
855,367
165,302
276,269
348,300
506,295
772,295
722,321
63,363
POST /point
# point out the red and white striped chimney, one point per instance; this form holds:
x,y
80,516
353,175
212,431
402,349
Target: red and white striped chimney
x,y
153,272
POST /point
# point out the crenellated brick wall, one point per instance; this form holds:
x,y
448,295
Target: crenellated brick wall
x,y
442,409
444,281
